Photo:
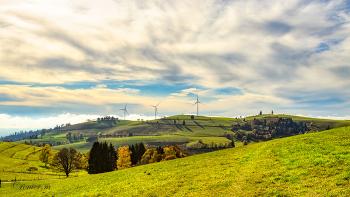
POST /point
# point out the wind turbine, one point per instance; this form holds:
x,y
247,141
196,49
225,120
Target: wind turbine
x,y
197,104
125,111
155,110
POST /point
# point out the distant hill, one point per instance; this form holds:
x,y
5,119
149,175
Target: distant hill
x,y
314,164
180,129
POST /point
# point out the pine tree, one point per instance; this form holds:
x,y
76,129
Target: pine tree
x,y
232,143
113,157
141,151
102,158
95,159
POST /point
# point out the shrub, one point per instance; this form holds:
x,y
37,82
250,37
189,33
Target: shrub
x,y
32,169
169,157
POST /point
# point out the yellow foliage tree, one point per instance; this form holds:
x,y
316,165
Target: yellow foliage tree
x,y
146,157
155,157
46,154
124,159
169,151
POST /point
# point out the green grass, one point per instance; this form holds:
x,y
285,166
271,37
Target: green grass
x,y
211,129
316,164
17,158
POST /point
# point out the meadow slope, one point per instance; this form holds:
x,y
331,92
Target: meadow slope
x,y
164,131
16,158
316,164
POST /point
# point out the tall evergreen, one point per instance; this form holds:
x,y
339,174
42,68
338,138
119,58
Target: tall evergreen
x,y
159,150
133,155
113,156
141,151
102,158
95,159
136,152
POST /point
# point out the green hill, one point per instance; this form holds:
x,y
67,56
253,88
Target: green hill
x,y
315,164
17,158
167,131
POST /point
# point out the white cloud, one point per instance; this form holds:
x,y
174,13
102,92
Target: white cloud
x,y
266,49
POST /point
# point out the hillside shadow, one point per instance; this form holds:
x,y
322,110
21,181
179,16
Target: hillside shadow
x,y
188,128
46,167
198,124
224,128
179,127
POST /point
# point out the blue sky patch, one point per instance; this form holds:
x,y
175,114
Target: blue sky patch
x,y
322,47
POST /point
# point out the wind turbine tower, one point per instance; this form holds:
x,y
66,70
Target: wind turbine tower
x,y
197,104
155,110
124,109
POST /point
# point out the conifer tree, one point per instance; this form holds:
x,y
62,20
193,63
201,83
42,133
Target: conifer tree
x,y
102,158
232,143
95,159
113,157
141,151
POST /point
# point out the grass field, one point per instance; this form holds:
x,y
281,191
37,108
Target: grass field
x,y
165,132
316,164
17,158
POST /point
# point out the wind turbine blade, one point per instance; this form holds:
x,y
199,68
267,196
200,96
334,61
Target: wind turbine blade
x,y
126,105
194,104
158,104
201,103
127,112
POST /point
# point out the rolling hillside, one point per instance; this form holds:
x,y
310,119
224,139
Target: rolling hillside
x,y
315,164
17,158
167,131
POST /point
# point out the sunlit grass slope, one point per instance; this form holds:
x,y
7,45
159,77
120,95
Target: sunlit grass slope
x,y
316,164
16,158
207,129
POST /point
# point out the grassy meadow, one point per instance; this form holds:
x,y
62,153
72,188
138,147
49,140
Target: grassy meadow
x,y
164,131
315,164
17,158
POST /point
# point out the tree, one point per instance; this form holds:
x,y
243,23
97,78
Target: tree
x,y
124,160
65,160
102,158
81,161
232,143
169,151
45,154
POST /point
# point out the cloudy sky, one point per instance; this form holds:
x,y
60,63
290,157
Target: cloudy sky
x,y
67,61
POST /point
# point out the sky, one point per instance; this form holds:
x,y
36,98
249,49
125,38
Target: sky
x,y
69,61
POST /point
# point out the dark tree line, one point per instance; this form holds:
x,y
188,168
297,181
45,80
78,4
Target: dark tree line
x,y
102,158
261,129
22,135
108,120
137,152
